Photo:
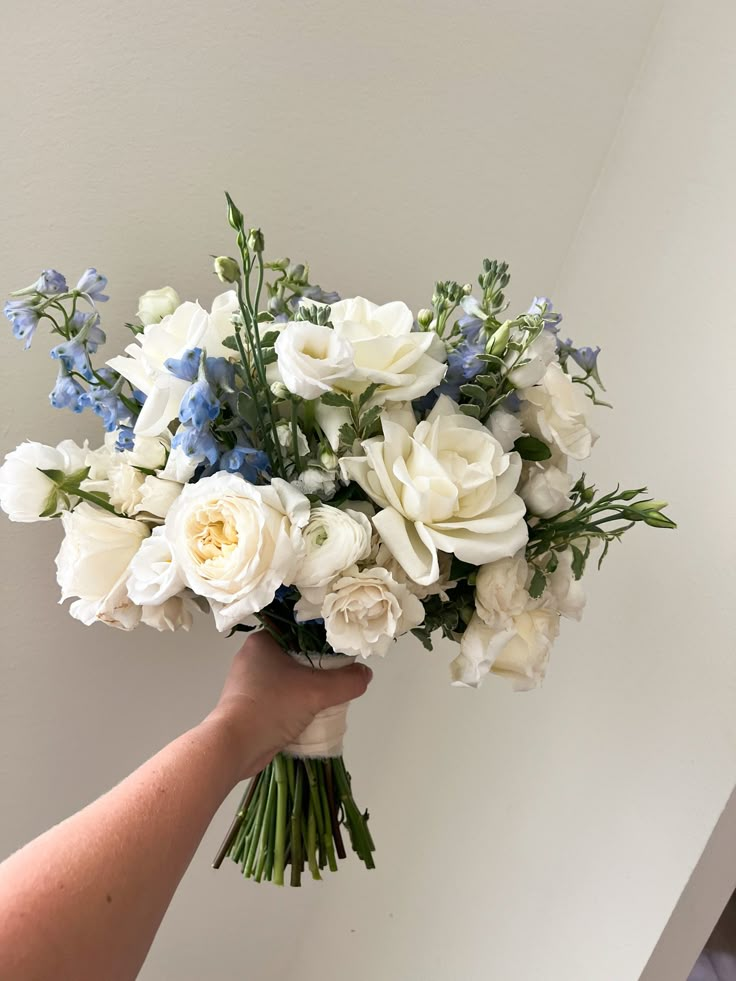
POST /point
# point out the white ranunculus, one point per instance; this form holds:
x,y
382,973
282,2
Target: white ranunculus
x,y
189,326
153,574
334,539
545,489
154,305
312,358
565,593
448,486
500,591
25,493
93,562
235,543
557,411
314,480
534,361
387,350
365,611
506,427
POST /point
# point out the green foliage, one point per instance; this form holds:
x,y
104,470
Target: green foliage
x,y
531,448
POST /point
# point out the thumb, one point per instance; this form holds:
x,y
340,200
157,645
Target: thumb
x,y
340,685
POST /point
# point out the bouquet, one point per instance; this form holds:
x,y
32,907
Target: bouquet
x,y
337,472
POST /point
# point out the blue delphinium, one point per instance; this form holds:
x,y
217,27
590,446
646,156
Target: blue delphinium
x,y
125,440
197,443
50,283
200,405
251,463
586,358
67,392
187,366
220,373
542,307
108,405
93,283
23,318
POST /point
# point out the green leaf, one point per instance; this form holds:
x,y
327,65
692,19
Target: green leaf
x,y
57,476
424,636
337,398
487,380
474,392
491,359
368,394
470,409
347,434
73,480
370,418
552,563
461,570
52,505
578,562
538,584
531,448
269,338
231,343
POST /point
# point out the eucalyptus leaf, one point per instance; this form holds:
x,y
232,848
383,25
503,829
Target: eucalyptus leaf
x,y
474,392
470,409
231,343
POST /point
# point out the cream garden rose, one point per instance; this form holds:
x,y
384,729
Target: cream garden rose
x,y
365,611
154,305
556,410
25,492
312,358
445,486
235,543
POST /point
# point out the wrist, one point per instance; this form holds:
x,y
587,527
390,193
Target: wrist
x,y
236,760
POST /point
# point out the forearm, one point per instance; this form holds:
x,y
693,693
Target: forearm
x,y
85,899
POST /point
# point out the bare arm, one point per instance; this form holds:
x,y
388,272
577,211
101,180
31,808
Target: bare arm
x,y
84,900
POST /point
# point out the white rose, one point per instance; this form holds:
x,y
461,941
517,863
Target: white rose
x,y
534,361
315,480
117,474
565,593
235,543
93,564
500,591
175,614
153,574
556,411
333,540
154,305
446,487
26,493
387,350
180,466
365,611
519,652
546,490
312,358
506,427
189,326
441,587
156,496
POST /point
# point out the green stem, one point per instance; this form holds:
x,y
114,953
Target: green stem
x,y
297,860
282,792
93,499
267,823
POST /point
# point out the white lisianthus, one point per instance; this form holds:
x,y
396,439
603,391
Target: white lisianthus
x,y
312,358
235,543
545,489
189,326
533,361
448,486
365,611
153,574
93,562
331,419
26,493
315,480
506,427
286,439
556,411
387,350
334,540
154,305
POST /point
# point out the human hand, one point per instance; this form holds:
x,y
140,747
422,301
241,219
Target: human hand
x,y
268,700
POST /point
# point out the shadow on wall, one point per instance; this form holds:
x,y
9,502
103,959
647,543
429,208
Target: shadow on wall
x,y
718,960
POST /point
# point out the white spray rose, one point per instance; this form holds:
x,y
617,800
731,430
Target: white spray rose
x,y
534,361
334,540
500,591
564,592
447,486
189,326
380,555
506,427
153,574
365,611
154,305
557,411
25,493
286,439
387,350
545,489
117,474
235,543
312,358
315,480
93,562
174,614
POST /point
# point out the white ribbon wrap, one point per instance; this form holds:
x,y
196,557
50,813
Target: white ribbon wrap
x,y
324,734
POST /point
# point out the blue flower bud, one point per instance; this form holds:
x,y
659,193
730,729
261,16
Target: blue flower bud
x,y
586,358
50,282
93,283
199,404
125,440
107,406
67,392
220,373
187,366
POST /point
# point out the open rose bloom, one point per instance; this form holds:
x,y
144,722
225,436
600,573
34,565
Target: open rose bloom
x,y
338,472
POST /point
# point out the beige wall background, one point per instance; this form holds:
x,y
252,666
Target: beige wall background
x,y
593,145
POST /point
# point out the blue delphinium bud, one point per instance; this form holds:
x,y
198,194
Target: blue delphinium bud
x,y
50,282
542,307
23,318
197,443
67,392
125,440
86,326
586,358
199,404
73,355
220,373
249,462
107,406
93,283
187,366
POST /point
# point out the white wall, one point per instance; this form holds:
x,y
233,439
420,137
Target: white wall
x,y
592,144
